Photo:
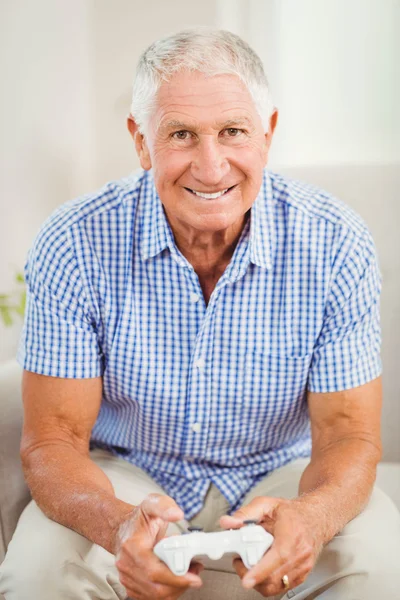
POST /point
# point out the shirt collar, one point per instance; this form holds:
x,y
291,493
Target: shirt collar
x,y
155,236
158,235
262,225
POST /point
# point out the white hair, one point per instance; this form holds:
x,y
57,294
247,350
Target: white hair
x,y
207,50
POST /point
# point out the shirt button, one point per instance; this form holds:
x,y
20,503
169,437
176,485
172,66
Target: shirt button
x,y
196,427
194,297
200,363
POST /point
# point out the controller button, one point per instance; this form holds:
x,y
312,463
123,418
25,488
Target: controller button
x,y
250,522
195,528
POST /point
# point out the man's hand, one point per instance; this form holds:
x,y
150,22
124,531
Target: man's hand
x,y
294,551
143,574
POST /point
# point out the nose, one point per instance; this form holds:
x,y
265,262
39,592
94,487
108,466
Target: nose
x,y
210,164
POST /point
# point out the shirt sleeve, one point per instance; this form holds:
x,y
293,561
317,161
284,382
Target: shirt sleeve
x,y
347,351
59,336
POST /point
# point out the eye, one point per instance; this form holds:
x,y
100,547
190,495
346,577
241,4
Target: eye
x,y
234,131
178,133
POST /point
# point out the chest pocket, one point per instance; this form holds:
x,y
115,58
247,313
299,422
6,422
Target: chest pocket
x,y
257,378
274,387
265,398
278,376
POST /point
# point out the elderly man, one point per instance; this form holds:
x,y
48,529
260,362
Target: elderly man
x,y
194,333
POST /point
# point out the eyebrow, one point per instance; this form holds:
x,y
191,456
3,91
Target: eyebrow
x,y
175,124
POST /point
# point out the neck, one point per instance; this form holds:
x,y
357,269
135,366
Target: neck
x,y
209,252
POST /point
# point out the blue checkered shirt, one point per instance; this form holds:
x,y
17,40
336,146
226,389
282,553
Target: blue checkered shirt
x,y
194,394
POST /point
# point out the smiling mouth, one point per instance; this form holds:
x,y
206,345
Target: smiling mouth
x,y
210,196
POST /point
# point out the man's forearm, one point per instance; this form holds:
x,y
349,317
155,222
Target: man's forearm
x,y
336,485
72,490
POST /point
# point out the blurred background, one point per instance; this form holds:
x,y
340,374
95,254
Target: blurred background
x,y
66,73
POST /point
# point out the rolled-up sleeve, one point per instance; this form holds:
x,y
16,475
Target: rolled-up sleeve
x,y
59,336
347,351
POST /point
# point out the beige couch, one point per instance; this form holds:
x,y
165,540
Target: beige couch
x,y
14,494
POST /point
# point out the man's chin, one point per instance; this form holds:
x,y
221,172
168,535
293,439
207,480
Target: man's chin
x,y
212,223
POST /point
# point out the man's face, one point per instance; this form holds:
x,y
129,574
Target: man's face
x,y
206,137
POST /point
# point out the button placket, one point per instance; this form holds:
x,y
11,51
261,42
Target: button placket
x,y
200,363
195,293
195,422
197,426
194,298
197,415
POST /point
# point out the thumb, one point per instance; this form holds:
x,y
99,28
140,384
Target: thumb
x,y
259,509
161,506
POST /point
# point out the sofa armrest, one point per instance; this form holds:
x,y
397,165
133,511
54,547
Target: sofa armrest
x,y
14,493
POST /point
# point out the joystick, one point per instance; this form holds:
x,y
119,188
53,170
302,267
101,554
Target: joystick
x,y
250,543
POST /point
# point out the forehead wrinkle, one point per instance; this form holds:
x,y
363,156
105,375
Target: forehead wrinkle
x,y
176,124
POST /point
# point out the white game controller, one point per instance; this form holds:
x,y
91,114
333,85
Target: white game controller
x,y
249,542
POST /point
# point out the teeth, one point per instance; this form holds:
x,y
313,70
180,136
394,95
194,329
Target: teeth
x,y
216,195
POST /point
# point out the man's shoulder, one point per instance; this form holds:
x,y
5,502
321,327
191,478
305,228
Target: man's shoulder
x,y
75,228
111,196
76,213
315,204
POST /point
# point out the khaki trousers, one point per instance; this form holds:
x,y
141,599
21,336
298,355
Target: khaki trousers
x,y
47,561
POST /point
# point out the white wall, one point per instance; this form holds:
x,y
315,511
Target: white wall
x,y
66,71
46,148
122,30
333,69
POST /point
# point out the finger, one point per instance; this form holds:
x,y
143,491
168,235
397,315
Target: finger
x,y
296,570
270,562
164,507
259,572
196,567
296,576
248,582
229,522
264,573
239,567
283,554
261,587
151,518
148,569
153,589
141,589
277,562
256,510
162,574
274,585
137,558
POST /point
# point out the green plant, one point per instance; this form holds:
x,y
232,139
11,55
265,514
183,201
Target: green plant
x,y
14,302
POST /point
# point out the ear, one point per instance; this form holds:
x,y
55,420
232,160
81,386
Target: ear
x,y
140,143
268,136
